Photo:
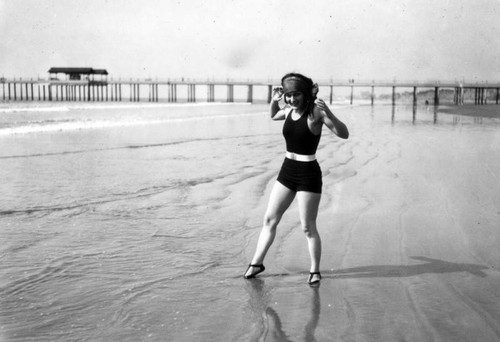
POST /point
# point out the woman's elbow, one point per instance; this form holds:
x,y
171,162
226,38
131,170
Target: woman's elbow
x,y
343,133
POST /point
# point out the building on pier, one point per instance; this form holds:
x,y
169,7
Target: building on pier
x,y
78,74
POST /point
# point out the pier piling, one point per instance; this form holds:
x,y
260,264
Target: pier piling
x,y
230,93
250,93
436,96
104,91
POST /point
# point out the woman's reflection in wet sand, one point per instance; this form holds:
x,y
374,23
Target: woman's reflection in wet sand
x,y
268,325
310,328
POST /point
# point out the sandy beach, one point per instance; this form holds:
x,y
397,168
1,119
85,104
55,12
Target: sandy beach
x,y
409,222
410,229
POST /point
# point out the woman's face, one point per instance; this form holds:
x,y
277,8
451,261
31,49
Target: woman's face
x,y
295,99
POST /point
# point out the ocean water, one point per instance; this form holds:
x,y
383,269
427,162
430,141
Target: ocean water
x,y
134,222
115,220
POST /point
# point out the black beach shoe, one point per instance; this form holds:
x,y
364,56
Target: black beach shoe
x,y
311,275
261,268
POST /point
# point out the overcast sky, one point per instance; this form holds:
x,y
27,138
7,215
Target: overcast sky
x,y
257,39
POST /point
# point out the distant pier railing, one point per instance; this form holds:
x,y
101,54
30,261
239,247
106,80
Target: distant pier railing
x,y
148,90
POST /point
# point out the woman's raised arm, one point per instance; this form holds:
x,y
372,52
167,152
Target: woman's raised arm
x,y
331,121
276,112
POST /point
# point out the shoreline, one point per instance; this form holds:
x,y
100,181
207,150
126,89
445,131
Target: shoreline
x,y
65,106
486,111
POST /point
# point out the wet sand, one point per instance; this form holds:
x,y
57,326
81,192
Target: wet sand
x,y
141,229
410,228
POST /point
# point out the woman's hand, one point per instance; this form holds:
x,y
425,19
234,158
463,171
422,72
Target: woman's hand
x,y
276,112
277,94
322,105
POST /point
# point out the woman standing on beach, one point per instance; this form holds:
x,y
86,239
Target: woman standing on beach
x,y
300,174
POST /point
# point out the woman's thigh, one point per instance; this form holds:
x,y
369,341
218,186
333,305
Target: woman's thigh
x,y
279,201
308,206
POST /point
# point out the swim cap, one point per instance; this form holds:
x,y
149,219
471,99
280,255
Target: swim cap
x,y
293,83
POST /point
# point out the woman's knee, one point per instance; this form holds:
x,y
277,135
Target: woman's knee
x,y
271,221
309,228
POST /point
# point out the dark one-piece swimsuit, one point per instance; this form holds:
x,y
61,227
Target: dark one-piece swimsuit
x,y
300,175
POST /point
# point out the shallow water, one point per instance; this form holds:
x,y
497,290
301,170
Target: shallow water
x,y
135,223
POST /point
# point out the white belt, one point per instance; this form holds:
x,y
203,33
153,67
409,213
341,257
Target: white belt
x,y
300,157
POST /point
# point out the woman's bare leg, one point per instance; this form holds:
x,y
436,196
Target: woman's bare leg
x,y
308,209
279,201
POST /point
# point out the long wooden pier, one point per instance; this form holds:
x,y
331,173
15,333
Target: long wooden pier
x,y
167,91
